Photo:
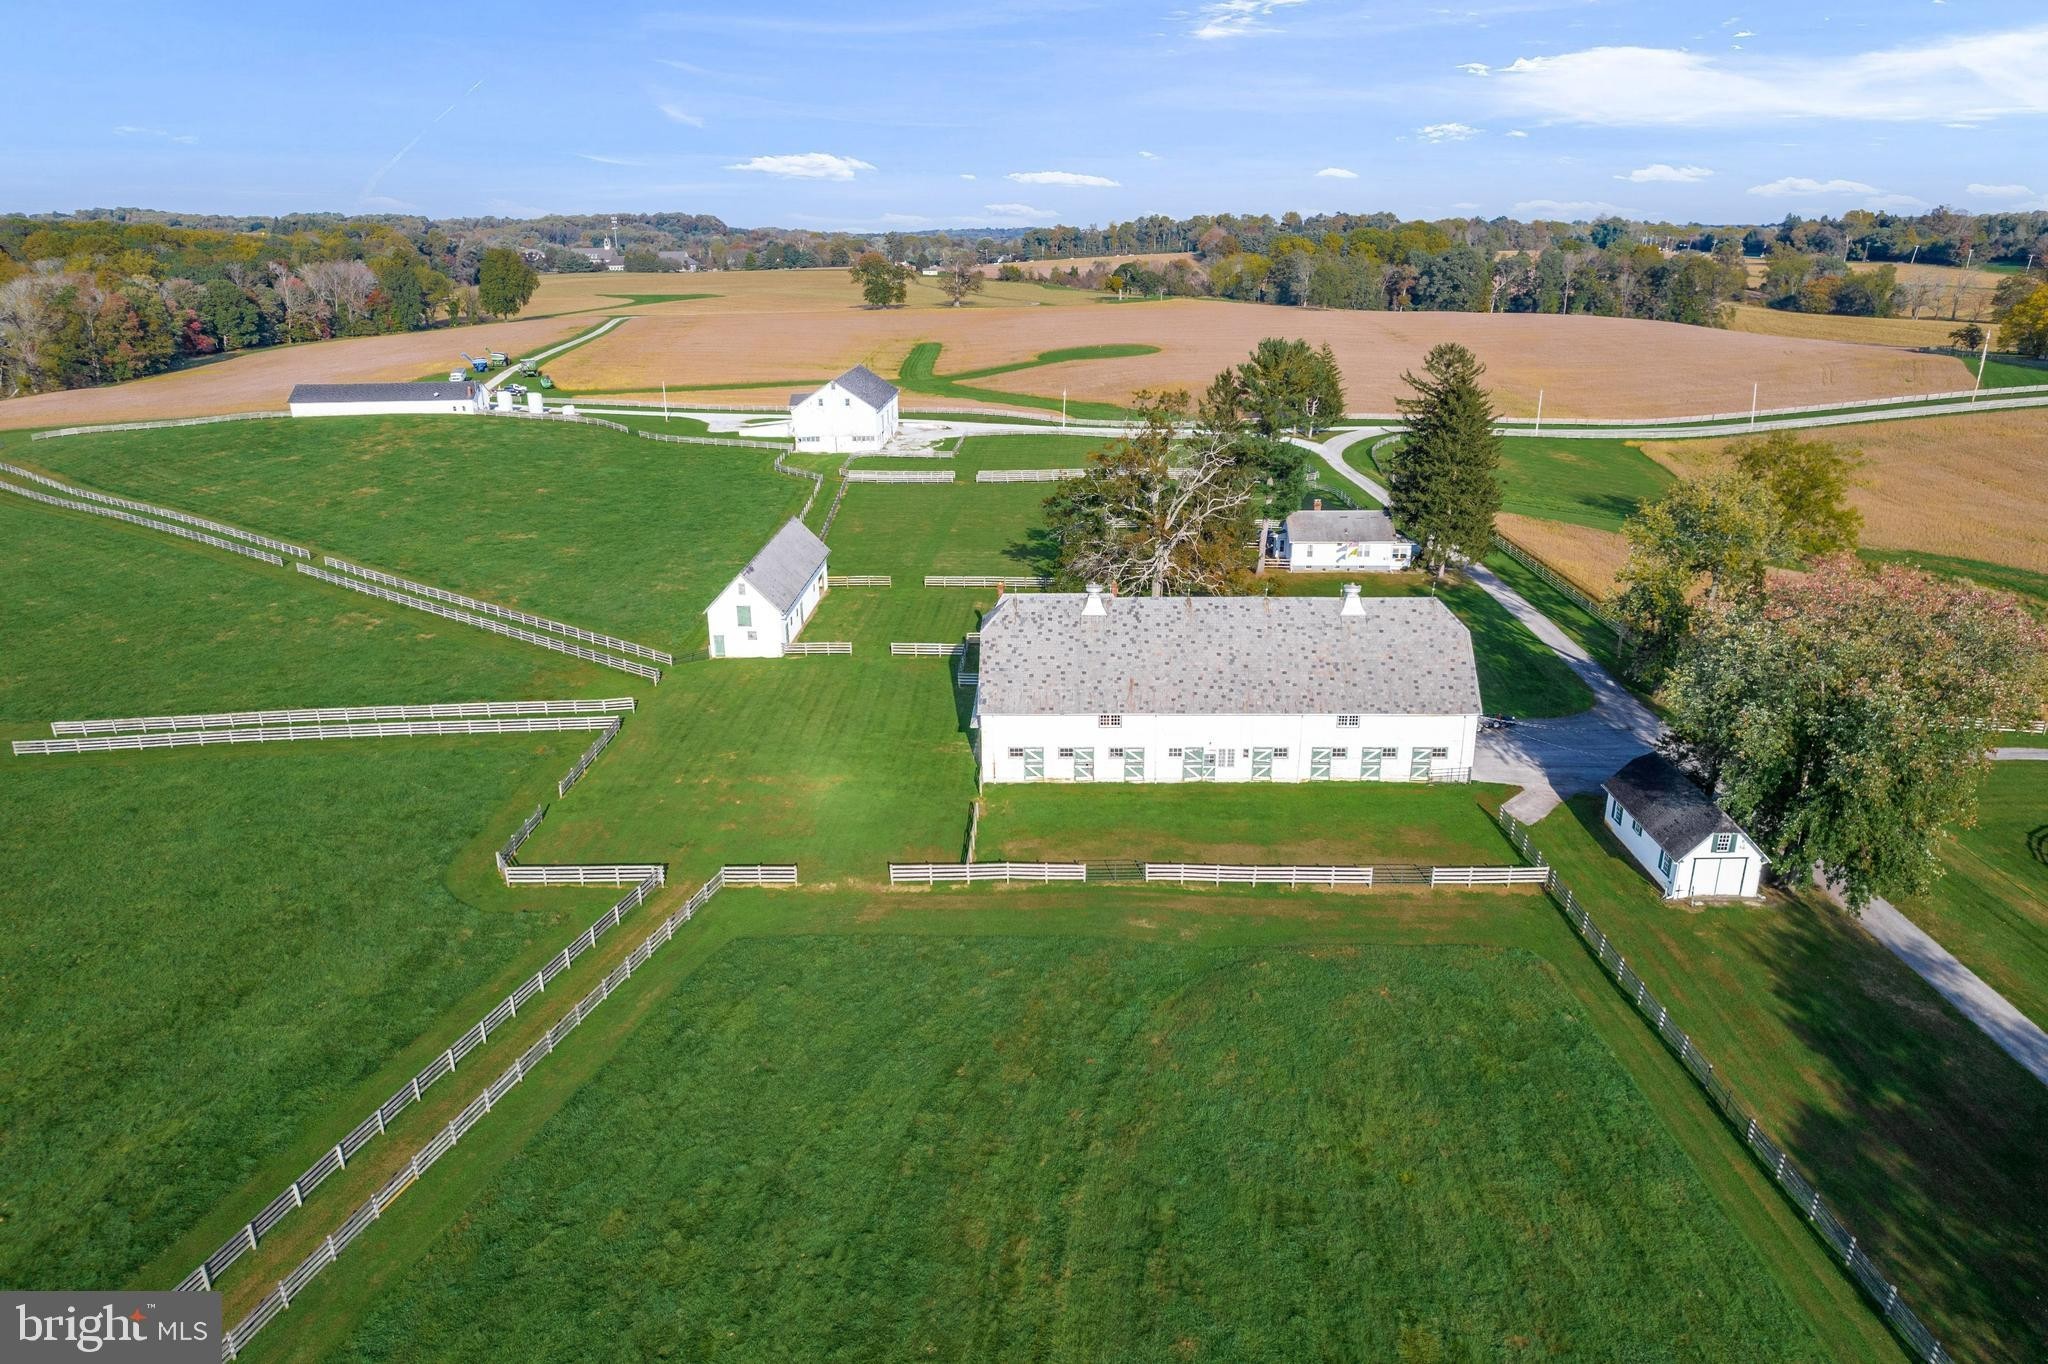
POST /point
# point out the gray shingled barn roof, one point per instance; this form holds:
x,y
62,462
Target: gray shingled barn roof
x,y
1225,656
863,383
785,564
1305,527
442,392
1671,807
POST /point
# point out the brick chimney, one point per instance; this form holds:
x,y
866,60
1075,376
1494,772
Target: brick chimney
x,y
1317,505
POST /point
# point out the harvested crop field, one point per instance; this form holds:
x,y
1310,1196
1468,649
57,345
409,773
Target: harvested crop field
x,y
260,380
1941,484
1587,556
714,292
1041,269
1868,331
1585,366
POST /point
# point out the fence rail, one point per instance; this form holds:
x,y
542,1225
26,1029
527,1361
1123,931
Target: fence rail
x,y
821,646
443,710
759,874
597,746
1530,560
817,482
623,646
161,513
508,854
1026,475
586,874
1776,1161
336,1157
277,734
964,678
1489,876
899,476
1183,872
970,580
624,665
158,425
930,873
162,527
925,649
859,580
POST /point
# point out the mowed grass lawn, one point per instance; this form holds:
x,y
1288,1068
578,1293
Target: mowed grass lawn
x,y
206,952
1923,1135
1990,907
910,530
1596,483
605,531
1307,824
1052,1148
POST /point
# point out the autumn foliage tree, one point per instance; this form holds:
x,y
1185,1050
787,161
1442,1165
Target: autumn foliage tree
x,y
883,283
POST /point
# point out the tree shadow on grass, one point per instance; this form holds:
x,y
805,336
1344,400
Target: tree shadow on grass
x,y
1928,1140
1038,552
2037,843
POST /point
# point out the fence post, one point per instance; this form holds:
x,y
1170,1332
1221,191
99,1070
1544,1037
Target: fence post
x,y
339,1156
249,1231
293,1188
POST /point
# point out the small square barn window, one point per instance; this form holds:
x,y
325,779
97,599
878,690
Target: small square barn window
x,y
1116,753
1173,753
1724,843
1016,752
1227,758
753,634
1066,753
1340,752
1390,753
1347,722
1109,721
1439,753
1279,752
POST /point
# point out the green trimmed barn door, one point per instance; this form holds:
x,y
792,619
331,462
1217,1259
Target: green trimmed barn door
x,y
1319,764
1262,764
1197,764
1084,764
718,646
1369,764
1418,765
1034,764
1134,764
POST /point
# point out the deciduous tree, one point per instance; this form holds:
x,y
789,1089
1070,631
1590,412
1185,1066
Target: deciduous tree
x,y
504,281
1445,481
882,282
962,276
1704,539
1285,386
1809,480
2025,328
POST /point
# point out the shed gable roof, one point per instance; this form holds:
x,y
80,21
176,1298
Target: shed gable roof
x,y
383,393
785,565
1672,809
861,382
1317,527
1225,656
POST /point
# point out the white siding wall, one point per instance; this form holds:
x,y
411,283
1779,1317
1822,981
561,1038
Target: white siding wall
x,y
1698,872
833,420
1230,740
766,628
393,409
1368,556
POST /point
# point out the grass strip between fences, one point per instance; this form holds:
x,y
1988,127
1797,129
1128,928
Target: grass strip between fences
x,y
1775,1160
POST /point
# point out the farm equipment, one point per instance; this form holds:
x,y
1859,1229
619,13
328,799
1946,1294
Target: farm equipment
x,y
480,366
546,382
498,358
528,368
455,376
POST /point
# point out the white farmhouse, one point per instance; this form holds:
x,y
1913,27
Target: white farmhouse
x,y
763,608
1096,688
372,400
1352,541
1687,843
856,412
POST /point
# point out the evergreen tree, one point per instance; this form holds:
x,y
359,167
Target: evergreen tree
x,y
1445,484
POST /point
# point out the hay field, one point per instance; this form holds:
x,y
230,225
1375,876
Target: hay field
x,y
1944,289
1869,331
1586,366
260,380
764,291
1042,269
1962,486
1587,556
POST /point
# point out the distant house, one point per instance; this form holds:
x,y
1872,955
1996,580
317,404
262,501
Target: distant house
x,y
764,607
1089,687
606,257
856,412
1349,541
682,260
1686,841
364,400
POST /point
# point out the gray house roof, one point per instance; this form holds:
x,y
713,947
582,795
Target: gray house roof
x,y
863,383
1225,656
1673,811
786,564
441,392
1305,527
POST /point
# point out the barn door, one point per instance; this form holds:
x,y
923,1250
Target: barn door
x,y
1084,764
1134,764
1034,764
1319,764
718,646
1197,764
1369,764
1418,765
1262,764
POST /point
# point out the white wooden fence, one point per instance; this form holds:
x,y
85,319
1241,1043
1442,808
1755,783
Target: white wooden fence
x,y
759,874
508,854
1026,475
1530,560
616,645
925,649
859,580
1219,875
161,513
1489,876
157,426
821,646
344,1234
441,710
971,580
964,678
162,527
597,746
930,873
625,665
899,476
277,734
585,874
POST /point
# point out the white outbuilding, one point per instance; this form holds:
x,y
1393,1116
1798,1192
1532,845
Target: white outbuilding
x,y
856,412
1686,841
1319,541
1090,687
373,400
762,609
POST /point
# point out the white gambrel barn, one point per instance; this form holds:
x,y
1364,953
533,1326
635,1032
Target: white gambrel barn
x,y
369,400
763,608
1682,838
1319,541
1089,687
856,412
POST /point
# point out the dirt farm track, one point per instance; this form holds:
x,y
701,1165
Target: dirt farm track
x,y
787,327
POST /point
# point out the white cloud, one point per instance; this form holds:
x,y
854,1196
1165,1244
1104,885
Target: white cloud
x,y
1745,33
1149,156
1516,132
1336,173
1973,78
1446,132
1070,178
967,175
1475,68
1855,191
1019,211
805,166
1236,18
1659,173
610,160
676,113
131,130
1569,210
2001,192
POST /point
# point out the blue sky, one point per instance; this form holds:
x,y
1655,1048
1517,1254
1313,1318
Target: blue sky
x,y
1014,112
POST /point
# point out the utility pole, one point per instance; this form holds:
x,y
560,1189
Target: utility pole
x,y
1752,405
664,400
1063,409
1983,358
1539,411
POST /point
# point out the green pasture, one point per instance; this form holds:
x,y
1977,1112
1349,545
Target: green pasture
x,y
919,374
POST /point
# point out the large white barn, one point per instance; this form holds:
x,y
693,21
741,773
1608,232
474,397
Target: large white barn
x,y
1686,841
762,609
1089,687
1349,541
367,400
856,412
